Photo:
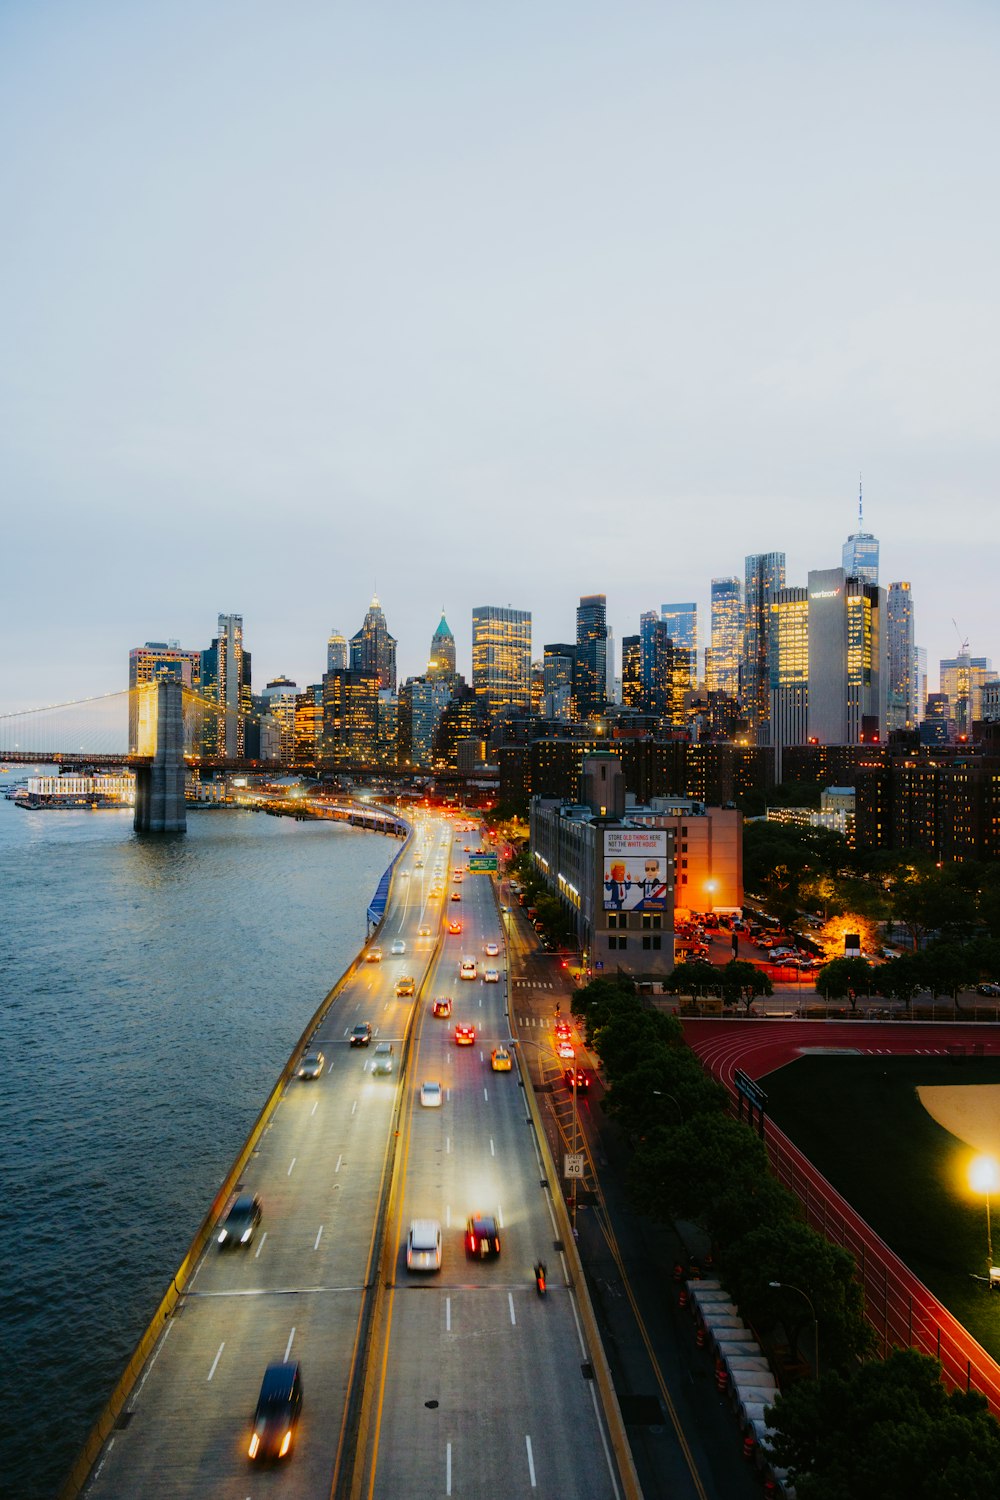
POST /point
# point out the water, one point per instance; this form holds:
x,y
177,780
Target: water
x,y
150,992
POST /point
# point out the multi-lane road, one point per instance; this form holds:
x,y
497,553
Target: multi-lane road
x,y
457,1382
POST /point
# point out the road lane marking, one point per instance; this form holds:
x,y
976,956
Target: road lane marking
x,y
215,1361
531,1462
447,1469
330,1068
315,1107
485,1094
447,1215
447,1314
510,1303
261,1245
492,1147
447,1145
499,1215
291,1164
339,1160
319,1236
288,1346
355,1104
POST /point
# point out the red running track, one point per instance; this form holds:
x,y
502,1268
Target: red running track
x,y
901,1309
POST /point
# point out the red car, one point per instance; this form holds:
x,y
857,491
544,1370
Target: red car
x,y
563,1028
465,1036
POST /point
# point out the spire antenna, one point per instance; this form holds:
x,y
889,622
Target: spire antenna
x,y
861,524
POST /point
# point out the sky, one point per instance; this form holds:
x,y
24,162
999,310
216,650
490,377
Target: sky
x,y
460,304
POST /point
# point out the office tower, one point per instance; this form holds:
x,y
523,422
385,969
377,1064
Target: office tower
x,y
632,687
147,663
463,720
764,575
788,646
656,665
847,659
350,717
683,622
422,701
225,674
309,725
860,555
901,692
278,705
338,653
722,659
590,685
611,677
441,662
373,649
961,681
558,668
501,660
920,679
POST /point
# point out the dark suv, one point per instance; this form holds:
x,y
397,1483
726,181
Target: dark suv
x,y
241,1221
277,1414
482,1237
361,1035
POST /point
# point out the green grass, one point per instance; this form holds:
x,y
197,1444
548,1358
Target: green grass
x,y
860,1122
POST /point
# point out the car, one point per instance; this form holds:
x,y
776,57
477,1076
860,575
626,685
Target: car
x,y
241,1222
311,1065
576,1078
466,848
382,1060
405,985
491,976
362,1034
404,874
456,895
431,1094
565,1047
398,947
500,1060
563,1028
423,930
423,1245
465,1036
457,876
435,890
277,1414
441,1006
373,956
454,928
482,1237
988,988
492,950
467,968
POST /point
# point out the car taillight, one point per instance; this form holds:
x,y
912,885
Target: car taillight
x,y
472,1242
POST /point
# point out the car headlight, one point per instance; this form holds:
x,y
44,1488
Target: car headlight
x,y
246,1234
254,1445
286,1443
223,1236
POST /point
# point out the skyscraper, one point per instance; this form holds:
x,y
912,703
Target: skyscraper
x,y
901,694
558,670
590,687
225,674
632,688
373,649
683,622
147,663
441,662
501,659
764,576
788,646
860,555
847,658
962,678
722,659
338,655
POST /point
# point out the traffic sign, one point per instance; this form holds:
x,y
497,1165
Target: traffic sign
x,y
573,1164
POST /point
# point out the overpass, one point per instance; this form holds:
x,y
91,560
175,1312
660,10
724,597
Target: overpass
x,y
460,1382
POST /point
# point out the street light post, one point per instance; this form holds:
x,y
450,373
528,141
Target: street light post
x,y
786,1286
984,1177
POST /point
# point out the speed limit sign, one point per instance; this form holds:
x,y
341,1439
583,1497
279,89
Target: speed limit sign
x,y
573,1164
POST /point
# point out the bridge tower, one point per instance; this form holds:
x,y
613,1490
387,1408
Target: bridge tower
x,y
159,788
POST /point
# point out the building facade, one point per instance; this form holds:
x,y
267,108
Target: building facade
x,y
764,576
847,667
590,682
501,660
722,658
901,687
373,649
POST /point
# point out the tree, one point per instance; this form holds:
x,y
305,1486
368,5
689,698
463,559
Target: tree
x,y
886,1431
744,1207
948,968
845,977
683,1171
695,978
741,980
800,1257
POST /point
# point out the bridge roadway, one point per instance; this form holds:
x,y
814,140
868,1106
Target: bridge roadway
x,y
477,1386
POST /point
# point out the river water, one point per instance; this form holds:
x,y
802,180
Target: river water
x,y
150,992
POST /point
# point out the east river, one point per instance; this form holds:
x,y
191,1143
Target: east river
x,y
151,990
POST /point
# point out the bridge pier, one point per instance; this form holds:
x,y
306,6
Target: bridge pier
x,y
159,788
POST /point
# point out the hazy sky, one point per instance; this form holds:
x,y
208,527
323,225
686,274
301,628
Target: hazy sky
x,y
471,304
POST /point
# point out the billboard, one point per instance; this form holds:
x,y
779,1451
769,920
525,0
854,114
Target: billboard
x,y
482,862
636,876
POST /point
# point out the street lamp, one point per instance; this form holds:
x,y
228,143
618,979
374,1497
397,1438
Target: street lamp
x,y
662,1094
786,1286
984,1178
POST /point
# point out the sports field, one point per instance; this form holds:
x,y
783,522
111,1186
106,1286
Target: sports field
x,y
896,1136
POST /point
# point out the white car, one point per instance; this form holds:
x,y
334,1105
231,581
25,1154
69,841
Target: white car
x,y
423,1245
467,968
491,976
492,950
431,1095
398,947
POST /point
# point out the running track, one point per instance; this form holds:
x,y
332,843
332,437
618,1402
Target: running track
x,y
899,1306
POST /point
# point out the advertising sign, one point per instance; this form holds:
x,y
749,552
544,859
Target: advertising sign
x,y
636,877
482,862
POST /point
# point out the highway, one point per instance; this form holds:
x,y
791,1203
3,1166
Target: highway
x,y
470,1380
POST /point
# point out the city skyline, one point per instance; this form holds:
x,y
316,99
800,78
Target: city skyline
x,y
515,310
